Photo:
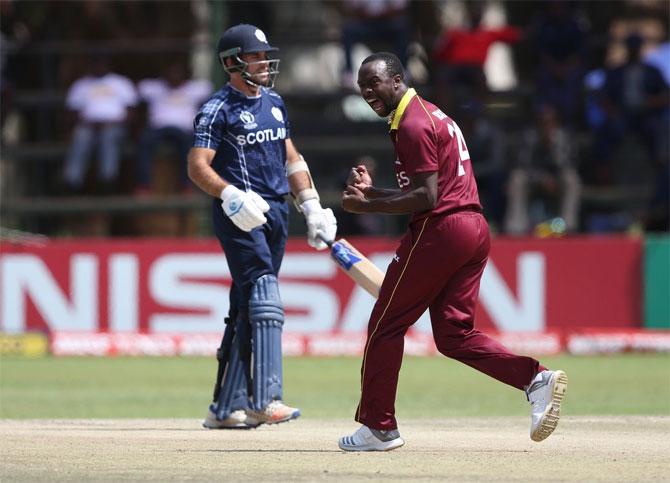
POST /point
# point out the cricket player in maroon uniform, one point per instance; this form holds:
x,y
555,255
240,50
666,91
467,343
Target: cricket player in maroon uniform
x,y
438,265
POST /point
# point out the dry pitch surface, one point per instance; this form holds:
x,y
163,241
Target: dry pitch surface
x,y
582,448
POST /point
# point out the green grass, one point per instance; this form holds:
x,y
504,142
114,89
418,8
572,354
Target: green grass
x,y
322,387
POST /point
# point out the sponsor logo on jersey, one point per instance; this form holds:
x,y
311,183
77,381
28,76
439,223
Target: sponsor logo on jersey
x,y
262,136
248,119
276,112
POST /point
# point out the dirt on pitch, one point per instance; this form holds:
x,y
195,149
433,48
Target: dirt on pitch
x,y
581,449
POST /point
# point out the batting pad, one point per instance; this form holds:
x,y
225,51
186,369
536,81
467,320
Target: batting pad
x,y
233,395
266,315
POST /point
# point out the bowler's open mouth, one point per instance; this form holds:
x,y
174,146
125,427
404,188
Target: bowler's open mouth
x,y
375,104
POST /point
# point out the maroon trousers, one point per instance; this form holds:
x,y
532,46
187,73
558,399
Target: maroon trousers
x,y
438,267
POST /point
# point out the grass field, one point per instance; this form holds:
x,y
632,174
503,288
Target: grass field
x,y
138,419
322,387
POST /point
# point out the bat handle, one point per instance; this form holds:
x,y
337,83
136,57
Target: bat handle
x,y
327,242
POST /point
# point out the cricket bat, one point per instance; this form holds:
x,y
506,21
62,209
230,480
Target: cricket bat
x,y
356,265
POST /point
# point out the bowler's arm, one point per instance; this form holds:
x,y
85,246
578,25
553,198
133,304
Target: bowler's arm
x,y
421,197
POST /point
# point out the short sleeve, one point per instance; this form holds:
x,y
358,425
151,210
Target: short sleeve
x,y
150,89
208,125
199,89
76,95
128,91
417,148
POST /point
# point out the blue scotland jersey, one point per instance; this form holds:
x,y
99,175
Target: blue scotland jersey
x,y
248,135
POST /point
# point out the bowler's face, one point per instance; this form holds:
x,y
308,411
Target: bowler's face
x,y
377,87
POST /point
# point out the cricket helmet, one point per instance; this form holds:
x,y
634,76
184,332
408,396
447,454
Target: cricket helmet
x,y
246,39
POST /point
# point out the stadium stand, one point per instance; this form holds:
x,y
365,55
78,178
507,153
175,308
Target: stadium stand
x,y
329,124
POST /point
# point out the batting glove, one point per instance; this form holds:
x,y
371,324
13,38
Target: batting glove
x,y
245,209
319,222
259,201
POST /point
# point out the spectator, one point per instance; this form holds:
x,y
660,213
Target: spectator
x,y
658,216
659,57
460,55
373,20
559,36
545,162
172,104
101,103
368,224
635,101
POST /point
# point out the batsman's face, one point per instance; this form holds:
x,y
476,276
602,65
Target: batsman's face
x,y
378,89
259,66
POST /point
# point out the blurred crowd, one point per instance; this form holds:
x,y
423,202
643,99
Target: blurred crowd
x,y
564,105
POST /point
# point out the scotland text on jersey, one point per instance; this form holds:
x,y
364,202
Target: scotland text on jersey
x,y
261,136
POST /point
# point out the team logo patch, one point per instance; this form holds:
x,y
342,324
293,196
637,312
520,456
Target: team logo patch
x,y
248,119
201,120
261,36
276,112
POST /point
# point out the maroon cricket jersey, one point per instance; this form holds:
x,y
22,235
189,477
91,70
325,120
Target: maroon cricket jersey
x,y
427,140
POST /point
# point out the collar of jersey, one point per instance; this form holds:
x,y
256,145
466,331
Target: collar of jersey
x,y
400,110
243,94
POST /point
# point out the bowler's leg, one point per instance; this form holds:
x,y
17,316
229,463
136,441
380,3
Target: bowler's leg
x,y
452,317
412,280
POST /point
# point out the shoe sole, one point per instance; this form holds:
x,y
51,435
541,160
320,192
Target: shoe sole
x,y
552,414
216,424
285,419
382,446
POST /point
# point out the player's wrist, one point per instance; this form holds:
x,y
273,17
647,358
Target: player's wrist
x,y
366,189
310,206
228,192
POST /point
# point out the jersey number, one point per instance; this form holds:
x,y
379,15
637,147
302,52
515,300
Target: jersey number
x,y
463,153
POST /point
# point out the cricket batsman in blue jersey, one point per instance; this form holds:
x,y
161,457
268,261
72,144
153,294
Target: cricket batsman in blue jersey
x,y
244,158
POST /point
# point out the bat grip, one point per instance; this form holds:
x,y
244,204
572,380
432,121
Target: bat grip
x,y
327,242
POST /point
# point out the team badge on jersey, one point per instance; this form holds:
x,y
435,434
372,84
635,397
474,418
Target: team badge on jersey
x,y
201,120
248,119
276,112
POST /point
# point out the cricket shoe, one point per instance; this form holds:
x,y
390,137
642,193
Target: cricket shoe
x,y
275,412
545,394
366,439
238,419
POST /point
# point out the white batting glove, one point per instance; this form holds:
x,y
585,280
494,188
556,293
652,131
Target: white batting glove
x,y
245,209
260,202
319,222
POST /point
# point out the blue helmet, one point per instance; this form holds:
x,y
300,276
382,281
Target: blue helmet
x,y
246,39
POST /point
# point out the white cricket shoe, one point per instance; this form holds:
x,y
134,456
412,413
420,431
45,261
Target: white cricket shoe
x,y
275,412
236,420
545,394
366,439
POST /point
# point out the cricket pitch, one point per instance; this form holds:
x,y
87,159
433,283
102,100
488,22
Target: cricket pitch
x,y
584,448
